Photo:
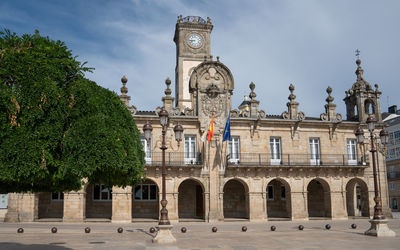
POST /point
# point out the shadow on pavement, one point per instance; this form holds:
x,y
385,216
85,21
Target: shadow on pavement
x,y
18,246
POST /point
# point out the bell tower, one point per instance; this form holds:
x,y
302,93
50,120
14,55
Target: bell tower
x,y
361,100
192,39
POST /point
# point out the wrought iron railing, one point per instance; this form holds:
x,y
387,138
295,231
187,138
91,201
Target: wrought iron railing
x,y
265,159
174,159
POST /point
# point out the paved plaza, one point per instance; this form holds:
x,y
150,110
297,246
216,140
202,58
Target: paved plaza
x,y
198,236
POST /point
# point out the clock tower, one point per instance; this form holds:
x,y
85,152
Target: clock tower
x,y
192,39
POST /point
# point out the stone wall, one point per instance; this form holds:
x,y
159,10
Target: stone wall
x,y
49,208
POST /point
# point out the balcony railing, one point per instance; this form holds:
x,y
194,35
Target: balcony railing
x,y
175,159
265,159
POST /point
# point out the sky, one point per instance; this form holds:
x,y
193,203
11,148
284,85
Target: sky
x,y
310,44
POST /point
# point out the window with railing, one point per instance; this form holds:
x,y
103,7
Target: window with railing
x,y
234,149
147,149
315,157
352,151
275,150
190,149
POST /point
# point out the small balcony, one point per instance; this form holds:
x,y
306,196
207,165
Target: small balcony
x,y
175,159
265,159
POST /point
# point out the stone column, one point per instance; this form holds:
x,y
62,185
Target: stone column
x,y
206,206
338,205
121,205
75,206
299,205
22,207
256,205
172,206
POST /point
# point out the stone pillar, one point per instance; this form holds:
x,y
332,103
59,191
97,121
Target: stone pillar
x,y
172,206
338,205
256,205
121,205
22,207
75,206
206,206
299,205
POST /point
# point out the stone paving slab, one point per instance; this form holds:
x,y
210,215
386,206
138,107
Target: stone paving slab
x,y
198,236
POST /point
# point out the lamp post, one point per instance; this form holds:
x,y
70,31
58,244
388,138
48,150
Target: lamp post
x,y
379,225
164,234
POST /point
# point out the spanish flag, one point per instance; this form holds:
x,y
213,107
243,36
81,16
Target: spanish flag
x,y
211,129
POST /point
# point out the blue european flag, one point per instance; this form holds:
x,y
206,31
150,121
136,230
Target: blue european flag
x,y
227,131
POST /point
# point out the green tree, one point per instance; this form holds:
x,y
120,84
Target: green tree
x,y
58,128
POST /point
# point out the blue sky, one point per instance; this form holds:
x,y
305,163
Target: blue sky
x,y
272,43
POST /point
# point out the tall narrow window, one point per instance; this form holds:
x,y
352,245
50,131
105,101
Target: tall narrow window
x,y
352,152
394,203
283,193
234,149
190,149
147,150
275,148
270,192
314,151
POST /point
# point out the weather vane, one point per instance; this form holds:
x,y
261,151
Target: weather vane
x,y
357,54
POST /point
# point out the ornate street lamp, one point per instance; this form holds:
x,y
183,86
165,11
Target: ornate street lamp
x,y
379,225
164,234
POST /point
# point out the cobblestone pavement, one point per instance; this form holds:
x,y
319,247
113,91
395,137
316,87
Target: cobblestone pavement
x,y
198,236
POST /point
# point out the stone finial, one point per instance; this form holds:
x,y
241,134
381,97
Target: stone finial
x,y
292,96
180,19
329,99
252,93
168,100
292,105
359,71
124,89
208,20
217,58
253,102
168,90
330,109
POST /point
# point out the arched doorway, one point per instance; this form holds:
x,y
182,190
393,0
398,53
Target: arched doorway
x,y
98,201
357,198
145,204
318,199
51,205
190,200
236,200
278,199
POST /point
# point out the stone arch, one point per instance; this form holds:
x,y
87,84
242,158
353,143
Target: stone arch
x,y
50,205
357,198
278,199
319,198
369,106
191,200
98,201
145,200
236,199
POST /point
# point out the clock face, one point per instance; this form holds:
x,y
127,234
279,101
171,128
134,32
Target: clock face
x,y
195,40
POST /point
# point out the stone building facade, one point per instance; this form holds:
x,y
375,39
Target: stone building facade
x,y
392,119
287,166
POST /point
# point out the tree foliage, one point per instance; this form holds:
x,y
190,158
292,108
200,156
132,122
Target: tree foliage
x,y
58,128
